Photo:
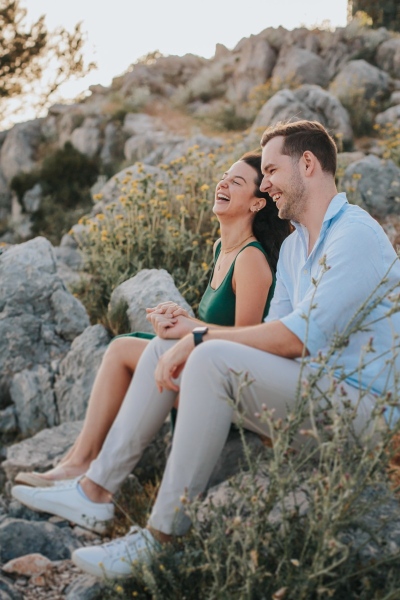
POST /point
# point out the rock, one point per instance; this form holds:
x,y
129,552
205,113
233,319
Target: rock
x,y
141,124
18,538
374,184
30,564
17,152
112,144
113,188
32,198
77,372
360,80
232,458
86,139
388,57
42,451
64,305
395,98
5,198
307,102
146,289
39,316
7,591
32,393
8,420
86,587
139,147
391,116
299,66
256,59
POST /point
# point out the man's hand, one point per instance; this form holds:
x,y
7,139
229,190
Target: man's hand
x,y
171,364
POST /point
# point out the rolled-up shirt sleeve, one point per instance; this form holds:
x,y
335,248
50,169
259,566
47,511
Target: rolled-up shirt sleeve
x,y
328,306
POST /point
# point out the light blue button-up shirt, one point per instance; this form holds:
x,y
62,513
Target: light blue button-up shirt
x,y
359,255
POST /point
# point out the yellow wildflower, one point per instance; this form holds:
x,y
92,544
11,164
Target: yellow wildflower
x,y
180,197
100,217
204,187
204,266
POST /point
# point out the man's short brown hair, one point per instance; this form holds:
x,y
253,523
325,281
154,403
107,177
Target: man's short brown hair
x,y
301,136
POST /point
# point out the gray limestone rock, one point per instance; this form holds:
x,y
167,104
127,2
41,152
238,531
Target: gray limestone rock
x,y
77,372
306,102
42,451
7,592
8,420
85,587
19,537
299,66
359,79
38,316
32,393
17,152
391,116
388,57
86,139
32,198
256,59
146,289
374,184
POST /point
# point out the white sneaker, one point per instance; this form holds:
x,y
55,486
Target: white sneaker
x,y
114,560
64,500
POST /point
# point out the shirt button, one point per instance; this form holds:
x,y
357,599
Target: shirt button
x,y
305,271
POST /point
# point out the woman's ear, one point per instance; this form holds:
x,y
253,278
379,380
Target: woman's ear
x,y
258,205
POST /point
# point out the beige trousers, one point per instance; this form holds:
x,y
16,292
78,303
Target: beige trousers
x,y
209,379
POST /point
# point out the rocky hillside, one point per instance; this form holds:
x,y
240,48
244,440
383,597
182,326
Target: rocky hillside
x,y
151,144
348,79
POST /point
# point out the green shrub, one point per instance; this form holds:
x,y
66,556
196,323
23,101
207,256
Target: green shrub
x,y
165,224
65,177
304,525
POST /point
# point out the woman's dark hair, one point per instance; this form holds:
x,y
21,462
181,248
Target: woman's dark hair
x,y
268,228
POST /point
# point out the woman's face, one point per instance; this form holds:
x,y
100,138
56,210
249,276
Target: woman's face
x,y
235,193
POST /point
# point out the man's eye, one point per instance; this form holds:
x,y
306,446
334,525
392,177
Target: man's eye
x,y
237,182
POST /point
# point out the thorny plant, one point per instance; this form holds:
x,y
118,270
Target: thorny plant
x,y
164,222
303,524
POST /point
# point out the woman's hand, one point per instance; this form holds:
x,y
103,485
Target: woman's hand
x,y
170,308
169,327
171,364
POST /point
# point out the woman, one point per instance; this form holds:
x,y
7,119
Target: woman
x,y
239,293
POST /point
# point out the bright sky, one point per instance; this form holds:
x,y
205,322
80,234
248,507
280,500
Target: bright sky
x,y
120,31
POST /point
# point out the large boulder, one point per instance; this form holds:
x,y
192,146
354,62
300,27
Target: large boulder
x,y
255,61
360,80
148,288
40,317
388,57
374,184
77,372
17,151
19,537
391,116
32,393
298,66
86,138
42,451
307,102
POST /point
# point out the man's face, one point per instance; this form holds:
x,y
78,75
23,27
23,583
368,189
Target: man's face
x,y
283,181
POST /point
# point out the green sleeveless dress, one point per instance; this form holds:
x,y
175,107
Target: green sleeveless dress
x,y
218,305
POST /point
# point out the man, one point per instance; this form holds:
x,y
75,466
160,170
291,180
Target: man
x,y
299,164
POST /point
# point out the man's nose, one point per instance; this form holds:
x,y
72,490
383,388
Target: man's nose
x,y
265,184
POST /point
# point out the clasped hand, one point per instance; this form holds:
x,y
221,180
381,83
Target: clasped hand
x,y
169,320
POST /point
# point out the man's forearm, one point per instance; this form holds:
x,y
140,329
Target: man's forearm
x,y
273,337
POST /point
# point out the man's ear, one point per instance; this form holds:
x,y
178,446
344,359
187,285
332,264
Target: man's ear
x,y
309,162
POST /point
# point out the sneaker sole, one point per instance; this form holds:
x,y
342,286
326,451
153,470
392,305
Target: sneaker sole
x,y
98,570
65,512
